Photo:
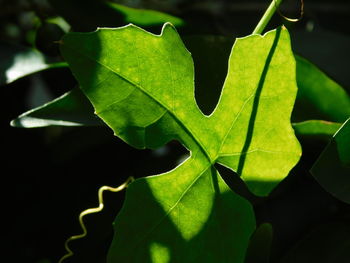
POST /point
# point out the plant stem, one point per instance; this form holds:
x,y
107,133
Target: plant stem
x,y
267,16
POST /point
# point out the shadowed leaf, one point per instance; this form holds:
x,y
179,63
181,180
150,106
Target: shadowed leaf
x,y
319,97
88,15
260,245
332,169
70,109
316,128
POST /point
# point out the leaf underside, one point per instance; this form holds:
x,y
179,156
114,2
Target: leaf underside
x,y
142,86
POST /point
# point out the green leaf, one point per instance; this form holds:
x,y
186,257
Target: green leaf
x,y
18,62
59,21
210,73
84,15
186,215
88,15
319,97
316,128
70,109
332,169
142,86
145,17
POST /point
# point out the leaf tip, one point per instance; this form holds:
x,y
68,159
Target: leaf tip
x,y
167,26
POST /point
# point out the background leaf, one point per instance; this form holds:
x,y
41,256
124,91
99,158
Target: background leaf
x,y
17,62
70,109
145,17
332,169
316,128
260,245
319,97
88,15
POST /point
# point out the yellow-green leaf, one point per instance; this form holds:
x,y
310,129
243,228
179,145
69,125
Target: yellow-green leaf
x,y
142,86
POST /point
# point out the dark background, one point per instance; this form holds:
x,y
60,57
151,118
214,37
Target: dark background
x,y
49,175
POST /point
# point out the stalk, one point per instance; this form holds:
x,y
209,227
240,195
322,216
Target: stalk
x,y
267,16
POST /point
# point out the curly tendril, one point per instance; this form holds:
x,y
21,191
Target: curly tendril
x,y
292,19
92,211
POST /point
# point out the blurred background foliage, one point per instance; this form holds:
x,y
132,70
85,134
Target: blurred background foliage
x,y
50,174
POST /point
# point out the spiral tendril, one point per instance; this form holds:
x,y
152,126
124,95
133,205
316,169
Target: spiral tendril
x,y
292,19
92,211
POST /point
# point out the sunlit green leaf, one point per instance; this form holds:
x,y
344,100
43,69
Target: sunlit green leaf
x,y
145,17
316,128
141,85
186,215
332,169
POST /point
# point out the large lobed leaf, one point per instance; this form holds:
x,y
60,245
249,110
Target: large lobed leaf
x,y
142,86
